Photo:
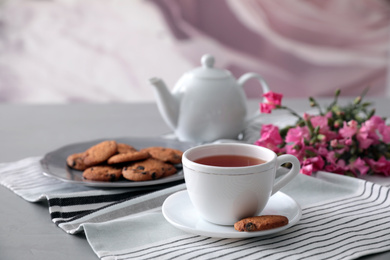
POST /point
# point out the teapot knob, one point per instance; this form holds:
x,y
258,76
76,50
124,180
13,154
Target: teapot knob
x,y
207,61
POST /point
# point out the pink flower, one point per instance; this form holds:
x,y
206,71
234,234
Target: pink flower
x,y
335,165
312,164
273,100
359,166
270,138
307,169
266,108
372,131
322,150
297,149
341,164
342,145
384,130
322,122
298,134
380,166
378,126
372,127
332,158
333,144
364,141
372,124
317,162
348,141
334,169
349,129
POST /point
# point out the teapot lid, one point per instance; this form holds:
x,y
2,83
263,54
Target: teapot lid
x,y
208,71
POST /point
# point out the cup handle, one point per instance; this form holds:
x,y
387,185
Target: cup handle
x,y
282,159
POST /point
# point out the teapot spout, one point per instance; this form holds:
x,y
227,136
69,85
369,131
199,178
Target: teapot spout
x,y
167,104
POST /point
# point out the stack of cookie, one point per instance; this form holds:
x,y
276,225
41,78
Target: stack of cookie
x,y
109,161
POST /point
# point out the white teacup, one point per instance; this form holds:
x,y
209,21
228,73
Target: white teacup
x,y
226,194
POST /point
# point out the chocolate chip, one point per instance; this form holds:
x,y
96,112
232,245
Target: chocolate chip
x,y
112,177
140,167
249,226
153,175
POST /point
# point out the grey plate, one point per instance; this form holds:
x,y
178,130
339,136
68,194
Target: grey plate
x,y
54,163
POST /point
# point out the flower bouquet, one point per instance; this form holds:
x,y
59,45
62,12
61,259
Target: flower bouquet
x,y
348,140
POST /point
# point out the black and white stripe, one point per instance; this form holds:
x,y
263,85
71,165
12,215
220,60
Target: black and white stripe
x,y
70,216
72,205
68,209
340,229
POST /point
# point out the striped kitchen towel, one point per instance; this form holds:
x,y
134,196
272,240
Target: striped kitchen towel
x,y
72,205
342,218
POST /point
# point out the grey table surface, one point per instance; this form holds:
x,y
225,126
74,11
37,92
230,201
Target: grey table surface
x,y
26,230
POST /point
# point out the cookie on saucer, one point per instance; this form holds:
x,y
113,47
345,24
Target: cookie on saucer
x,y
259,223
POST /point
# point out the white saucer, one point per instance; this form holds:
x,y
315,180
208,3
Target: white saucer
x,y
179,211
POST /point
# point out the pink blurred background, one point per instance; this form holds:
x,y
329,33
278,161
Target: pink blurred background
x,y
67,51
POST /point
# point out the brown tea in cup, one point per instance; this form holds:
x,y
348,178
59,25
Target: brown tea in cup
x,y
229,160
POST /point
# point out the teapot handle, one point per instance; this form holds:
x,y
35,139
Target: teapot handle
x,y
241,81
247,76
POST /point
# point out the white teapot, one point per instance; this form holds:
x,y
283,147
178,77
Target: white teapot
x,y
206,103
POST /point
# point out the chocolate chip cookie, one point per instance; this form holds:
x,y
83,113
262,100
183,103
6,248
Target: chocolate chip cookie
x,y
100,153
102,173
128,157
76,161
125,148
165,154
261,223
169,170
149,169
